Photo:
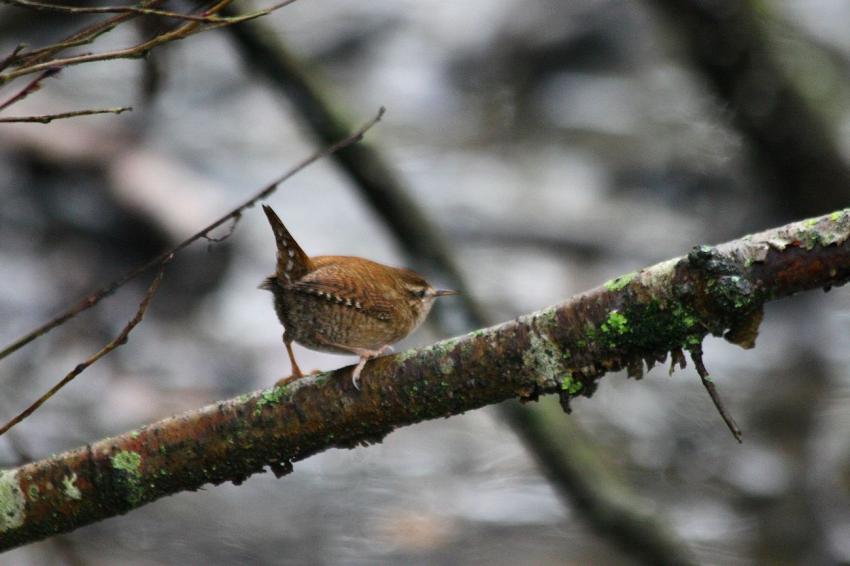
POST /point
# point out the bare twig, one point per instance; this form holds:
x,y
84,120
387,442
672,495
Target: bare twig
x,y
47,118
696,356
230,229
140,11
118,341
205,22
30,88
10,58
100,294
82,37
137,51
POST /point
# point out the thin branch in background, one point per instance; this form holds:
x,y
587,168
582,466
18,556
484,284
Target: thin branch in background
x,y
136,51
44,60
30,88
117,342
134,10
47,118
696,356
8,59
230,229
39,60
100,294
84,36
140,11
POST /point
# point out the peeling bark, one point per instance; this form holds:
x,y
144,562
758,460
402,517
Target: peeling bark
x,y
626,323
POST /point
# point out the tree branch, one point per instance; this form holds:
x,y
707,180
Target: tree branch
x,y
141,11
30,88
47,118
20,58
33,62
630,320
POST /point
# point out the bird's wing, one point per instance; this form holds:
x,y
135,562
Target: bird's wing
x,y
336,285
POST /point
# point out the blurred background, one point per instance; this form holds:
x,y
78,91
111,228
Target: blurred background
x,y
554,145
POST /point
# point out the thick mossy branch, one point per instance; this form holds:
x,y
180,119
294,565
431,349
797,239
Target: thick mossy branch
x,y
563,349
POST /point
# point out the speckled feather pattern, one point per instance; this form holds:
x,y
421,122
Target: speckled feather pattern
x,y
338,303
347,301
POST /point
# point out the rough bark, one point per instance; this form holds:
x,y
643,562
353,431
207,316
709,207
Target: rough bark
x,y
564,349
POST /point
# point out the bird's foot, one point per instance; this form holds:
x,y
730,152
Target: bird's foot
x,y
365,356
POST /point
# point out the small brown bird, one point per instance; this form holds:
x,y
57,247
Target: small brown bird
x,y
344,305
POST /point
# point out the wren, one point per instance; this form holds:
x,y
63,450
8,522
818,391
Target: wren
x,y
343,305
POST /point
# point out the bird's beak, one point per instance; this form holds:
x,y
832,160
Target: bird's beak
x,y
444,292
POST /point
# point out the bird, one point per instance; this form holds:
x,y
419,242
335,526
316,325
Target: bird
x,y
343,304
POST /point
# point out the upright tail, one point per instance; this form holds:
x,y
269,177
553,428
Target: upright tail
x,y
292,262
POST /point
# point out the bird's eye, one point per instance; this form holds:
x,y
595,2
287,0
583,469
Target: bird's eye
x,y
420,294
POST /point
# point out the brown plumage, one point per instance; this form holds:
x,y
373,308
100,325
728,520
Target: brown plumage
x,y
344,305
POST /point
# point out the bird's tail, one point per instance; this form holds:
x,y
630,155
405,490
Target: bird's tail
x,y
292,262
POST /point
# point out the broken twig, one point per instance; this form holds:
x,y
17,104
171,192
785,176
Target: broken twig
x,y
696,356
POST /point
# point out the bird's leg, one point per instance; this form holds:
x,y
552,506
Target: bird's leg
x,y
365,356
296,371
364,353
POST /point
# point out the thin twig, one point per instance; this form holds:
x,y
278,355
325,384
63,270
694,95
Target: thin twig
x,y
696,356
207,21
137,51
118,341
82,37
11,57
100,294
30,88
136,10
47,118
230,229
